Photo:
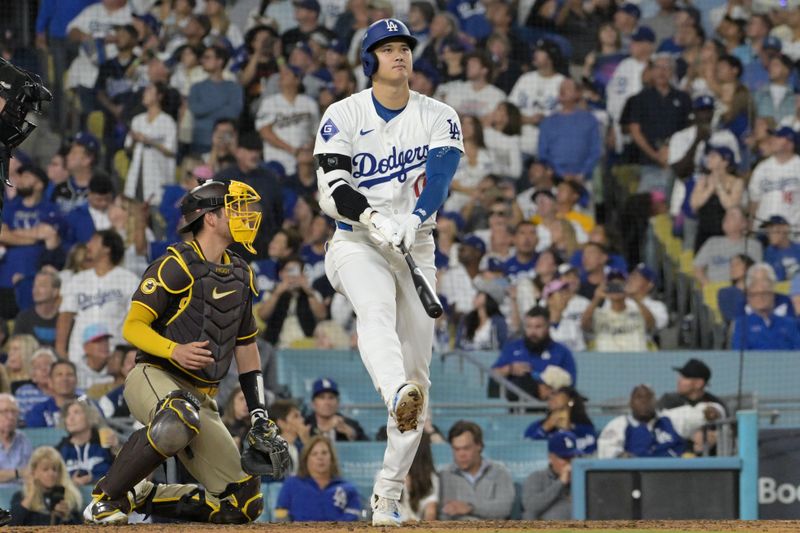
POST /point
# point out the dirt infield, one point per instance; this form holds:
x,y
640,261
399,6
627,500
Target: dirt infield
x,y
773,526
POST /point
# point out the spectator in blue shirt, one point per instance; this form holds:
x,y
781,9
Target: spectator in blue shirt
x,y
81,159
86,458
63,382
566,411
86,220
472,16
642,433
30,234
38,390
521,358
570,138
213,98
781,253
763,326
317,493
780,69
15,448
523,262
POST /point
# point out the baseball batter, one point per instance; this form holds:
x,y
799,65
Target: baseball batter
x,y
385,158
191,314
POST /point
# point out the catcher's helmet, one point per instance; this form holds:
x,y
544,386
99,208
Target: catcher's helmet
x,y
378,32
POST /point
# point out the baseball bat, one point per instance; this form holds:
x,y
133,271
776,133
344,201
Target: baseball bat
x,y
425,292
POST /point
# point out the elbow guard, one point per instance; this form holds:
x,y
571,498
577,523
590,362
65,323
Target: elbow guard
x,y
337,198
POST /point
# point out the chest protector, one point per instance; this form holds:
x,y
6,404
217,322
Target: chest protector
x,y
211,308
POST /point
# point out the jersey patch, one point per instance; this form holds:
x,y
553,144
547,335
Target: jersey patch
x,y
149,286
328,130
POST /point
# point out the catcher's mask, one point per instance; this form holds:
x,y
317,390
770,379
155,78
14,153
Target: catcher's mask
x,y
24,94
237,199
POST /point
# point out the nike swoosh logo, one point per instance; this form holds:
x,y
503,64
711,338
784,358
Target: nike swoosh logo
x,y
362,132
217,295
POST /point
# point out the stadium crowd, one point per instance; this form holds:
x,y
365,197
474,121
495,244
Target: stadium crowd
x,y
581,120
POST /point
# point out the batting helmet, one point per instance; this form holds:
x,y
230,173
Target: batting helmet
x,y
379,32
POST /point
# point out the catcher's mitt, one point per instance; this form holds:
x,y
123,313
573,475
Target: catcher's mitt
x,y
267,453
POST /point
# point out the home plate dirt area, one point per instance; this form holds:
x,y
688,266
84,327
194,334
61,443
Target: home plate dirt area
x,y
772,526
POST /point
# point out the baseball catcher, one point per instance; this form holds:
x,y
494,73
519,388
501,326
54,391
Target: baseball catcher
x,y
190,315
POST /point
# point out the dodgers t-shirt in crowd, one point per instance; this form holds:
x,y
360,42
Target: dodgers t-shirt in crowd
x,y
25,259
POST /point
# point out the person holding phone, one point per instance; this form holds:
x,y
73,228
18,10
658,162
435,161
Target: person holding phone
x,y
49,496
618,319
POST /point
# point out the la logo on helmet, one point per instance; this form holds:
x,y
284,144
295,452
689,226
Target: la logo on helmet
x,y
390,25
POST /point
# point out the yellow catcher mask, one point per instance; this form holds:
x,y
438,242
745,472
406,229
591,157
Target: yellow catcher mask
x,y
243,219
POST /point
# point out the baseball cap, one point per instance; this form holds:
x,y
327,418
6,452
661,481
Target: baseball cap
x,y
643,34
567,268
554,377
787,62
40,174
454,44
297,71
88,141
251,141
303,47
564,444
321,39
324,385
694,368
494,265
632,10
312,5
724,152
771,42
424,67
95,332
775,220
203,172
474,241
646,272
101,184
703,102
553,287
341,46
543,192
455,216
785,132
150,21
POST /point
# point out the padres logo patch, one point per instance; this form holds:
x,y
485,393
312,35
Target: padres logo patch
x,y
149,286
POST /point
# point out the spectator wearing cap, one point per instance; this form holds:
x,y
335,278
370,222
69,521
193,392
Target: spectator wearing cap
x,y
570,138
85,220
457,281
80,161
566,411
655,114
222,29
248,168
763,326
711,264
774,187
425,80
619,321
212,98
63,385
30,235
642,433
153,138
287,121
776,99
536,92
715,191
782,254
547,494
91,368
307,15
540,176
627,78
691,387
626,22
475,95
756,72
640,284
484,328
326,420
688,146
521,359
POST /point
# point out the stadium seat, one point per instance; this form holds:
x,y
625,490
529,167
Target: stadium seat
x,y
121,164
710,292
44,436
783,287
270,492
96,123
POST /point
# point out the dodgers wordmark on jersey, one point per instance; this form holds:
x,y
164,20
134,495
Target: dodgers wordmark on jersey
x,y
388,158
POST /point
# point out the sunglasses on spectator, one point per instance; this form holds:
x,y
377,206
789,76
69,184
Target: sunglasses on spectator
x,y
499,213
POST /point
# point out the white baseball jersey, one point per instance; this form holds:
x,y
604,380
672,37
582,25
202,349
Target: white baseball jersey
x,y
97,21
467,101
388,158
292,122
534,94
776,189
97,300
625,82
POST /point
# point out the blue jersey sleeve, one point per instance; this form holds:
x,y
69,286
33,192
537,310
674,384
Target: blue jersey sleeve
x,y
284,500
506,356
667,442
439,171
535,431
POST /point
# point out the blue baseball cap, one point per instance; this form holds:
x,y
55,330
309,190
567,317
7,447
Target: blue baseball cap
x,y
495,265
772,43
312,5
632,10
703,102
324,385
474,241
775,220
646,272
95,332
455,216
643,34
724,152
614,273
564,444
424,67
785,132
340,46
88,141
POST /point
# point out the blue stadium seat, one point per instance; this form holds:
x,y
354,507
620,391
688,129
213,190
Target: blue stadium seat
x,y
6,493
270,492
44,436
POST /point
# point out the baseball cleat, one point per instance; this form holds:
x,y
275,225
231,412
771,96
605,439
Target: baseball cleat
x,y
104,511
385,512
407,406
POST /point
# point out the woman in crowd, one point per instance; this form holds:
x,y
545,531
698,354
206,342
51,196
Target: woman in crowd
x,y
76,262
236,417
221,26
318,480
38,389
502,133
715,192
566,410
129,218
49,496
563,238
294,429
483,328
86,457
20,350
601,62
421,497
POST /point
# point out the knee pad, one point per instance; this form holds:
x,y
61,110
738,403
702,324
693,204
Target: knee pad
x,y
240,503
175,424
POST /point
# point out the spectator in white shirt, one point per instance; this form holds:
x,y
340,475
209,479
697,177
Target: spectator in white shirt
x,y
502,129
475,95
640,285
774,187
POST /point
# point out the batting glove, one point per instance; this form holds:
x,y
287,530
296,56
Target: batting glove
x,y
382,228
406,232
